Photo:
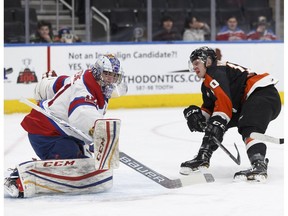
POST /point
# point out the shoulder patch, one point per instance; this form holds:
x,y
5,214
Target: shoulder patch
x,y
214,84
90,99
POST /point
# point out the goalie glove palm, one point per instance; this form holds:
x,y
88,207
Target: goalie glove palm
x,y
195,120
216,127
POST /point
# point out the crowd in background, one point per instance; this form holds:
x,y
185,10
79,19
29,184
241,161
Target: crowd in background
x,y
193,28
196,30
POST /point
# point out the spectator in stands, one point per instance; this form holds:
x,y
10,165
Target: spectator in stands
x,y
195,30
65,36
167,31
262,32
44,33
231,31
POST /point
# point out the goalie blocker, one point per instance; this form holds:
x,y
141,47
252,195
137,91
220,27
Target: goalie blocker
x,y
75,176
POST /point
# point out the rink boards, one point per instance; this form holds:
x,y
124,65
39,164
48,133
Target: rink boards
x,y
157,73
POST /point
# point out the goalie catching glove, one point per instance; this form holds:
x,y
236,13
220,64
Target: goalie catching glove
x,y
195,119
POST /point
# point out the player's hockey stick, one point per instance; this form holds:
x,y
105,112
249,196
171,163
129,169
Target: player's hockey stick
x,y
253,135
130,162
216,141
266,138
236,160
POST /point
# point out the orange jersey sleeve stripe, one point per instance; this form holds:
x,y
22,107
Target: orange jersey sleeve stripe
x,y
223,102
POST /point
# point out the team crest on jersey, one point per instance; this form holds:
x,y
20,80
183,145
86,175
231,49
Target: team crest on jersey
x,y
91,99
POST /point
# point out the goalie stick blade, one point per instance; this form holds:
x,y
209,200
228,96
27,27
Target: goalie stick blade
x,y
266,138
163,180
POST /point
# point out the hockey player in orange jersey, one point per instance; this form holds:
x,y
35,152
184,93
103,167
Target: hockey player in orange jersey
x,y
233,96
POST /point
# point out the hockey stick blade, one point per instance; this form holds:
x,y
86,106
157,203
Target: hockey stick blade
x,y
236,160
196,178
129,161
266,138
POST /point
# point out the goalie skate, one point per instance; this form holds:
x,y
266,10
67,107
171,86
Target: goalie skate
x,y
10,187
257,173
13,186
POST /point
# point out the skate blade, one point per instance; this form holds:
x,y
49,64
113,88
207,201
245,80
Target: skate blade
x,y
240,178
12,190
190,171
258,178
250,179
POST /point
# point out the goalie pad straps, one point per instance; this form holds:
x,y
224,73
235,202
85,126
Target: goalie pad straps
x,y
76,176
106,139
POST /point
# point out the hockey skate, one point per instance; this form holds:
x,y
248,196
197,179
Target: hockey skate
x,y
13,186
257,173
199,163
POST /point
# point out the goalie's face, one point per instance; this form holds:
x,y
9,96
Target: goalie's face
x,y
110,77
198,67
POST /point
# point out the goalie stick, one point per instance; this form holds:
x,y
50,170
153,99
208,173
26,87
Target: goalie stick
x,y
267,138
130,162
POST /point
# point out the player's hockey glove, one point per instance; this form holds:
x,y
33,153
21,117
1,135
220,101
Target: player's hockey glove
x,y
216,127
195,120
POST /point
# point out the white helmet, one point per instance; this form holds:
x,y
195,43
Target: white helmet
x,y
107,65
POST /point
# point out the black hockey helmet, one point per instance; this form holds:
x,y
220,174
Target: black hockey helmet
x,y
202,53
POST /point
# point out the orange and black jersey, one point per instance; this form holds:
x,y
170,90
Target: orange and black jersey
x,y
226,86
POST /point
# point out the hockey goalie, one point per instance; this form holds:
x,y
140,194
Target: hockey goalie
x,y
68,162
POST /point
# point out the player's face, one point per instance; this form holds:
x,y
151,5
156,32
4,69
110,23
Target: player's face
x,y
199,68
109,77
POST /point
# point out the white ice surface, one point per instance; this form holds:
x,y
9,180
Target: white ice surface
x,y
160,139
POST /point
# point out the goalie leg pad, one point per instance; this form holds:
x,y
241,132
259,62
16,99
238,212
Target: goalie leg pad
x,y
106,147
75,176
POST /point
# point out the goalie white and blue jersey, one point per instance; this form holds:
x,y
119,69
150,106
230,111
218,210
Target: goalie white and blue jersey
x,y
77,100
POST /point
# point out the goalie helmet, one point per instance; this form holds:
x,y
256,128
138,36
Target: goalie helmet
x,y
203,53
108,72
